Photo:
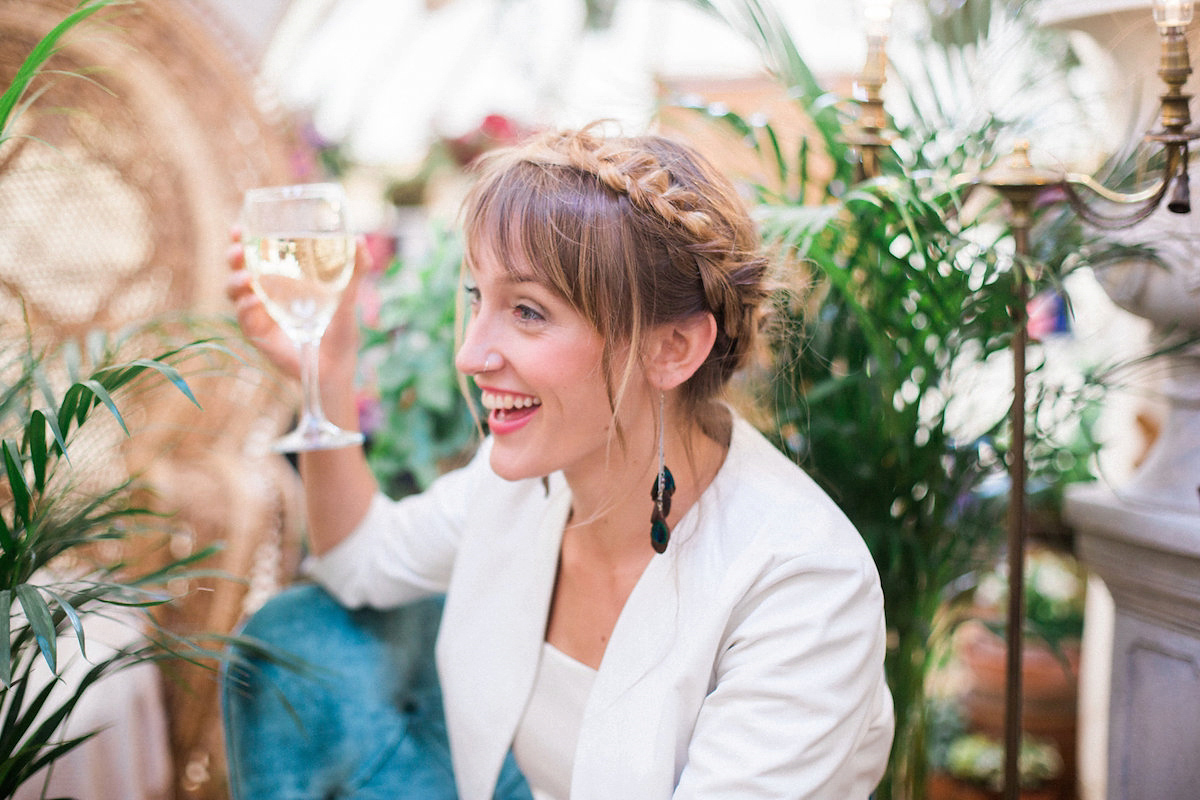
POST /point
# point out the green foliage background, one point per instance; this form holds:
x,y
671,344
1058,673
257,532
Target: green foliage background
x,y
425,423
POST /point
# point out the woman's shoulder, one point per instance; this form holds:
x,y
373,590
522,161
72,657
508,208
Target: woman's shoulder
x,y
757,473
764,501
768,537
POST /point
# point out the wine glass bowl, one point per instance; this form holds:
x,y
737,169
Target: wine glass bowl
x,y
300,279
299,252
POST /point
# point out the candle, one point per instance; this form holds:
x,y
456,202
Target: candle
x,y
877,14
1172,13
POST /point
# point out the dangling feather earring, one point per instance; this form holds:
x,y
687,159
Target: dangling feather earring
x,y
660,492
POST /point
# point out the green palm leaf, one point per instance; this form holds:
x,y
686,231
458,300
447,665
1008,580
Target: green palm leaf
x,y
41,622
76,623
34,63
6,654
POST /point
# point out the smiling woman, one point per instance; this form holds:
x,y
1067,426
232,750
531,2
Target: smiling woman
x,y
624,629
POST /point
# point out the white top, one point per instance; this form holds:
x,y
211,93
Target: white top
x,y
747,662
546,736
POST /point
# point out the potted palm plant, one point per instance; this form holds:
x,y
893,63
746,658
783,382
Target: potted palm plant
x,y
61,522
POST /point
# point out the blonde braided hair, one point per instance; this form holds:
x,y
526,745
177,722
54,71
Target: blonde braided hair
x,y
633,232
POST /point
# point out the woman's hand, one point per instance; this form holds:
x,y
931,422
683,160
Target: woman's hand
x,y
339,345
338,484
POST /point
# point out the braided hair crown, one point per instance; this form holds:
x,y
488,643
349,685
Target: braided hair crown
x,y
634,232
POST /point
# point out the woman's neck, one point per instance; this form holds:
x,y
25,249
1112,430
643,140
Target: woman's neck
x,y
606,545
610,511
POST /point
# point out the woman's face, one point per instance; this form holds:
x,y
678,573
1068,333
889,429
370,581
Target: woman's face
x,y
537,362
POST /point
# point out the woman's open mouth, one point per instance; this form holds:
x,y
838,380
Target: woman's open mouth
x,y
507,412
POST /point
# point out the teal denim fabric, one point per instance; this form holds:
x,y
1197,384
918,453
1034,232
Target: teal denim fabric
x,y
361,719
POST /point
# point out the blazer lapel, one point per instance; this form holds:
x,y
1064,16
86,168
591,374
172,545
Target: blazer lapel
x,y
622,742
642,635
492,634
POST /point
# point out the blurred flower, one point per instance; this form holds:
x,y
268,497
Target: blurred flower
x,y
1047,314
1055,592
370,410
977,758
382,247
496,130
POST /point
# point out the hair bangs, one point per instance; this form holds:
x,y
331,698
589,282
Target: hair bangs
x,y
560,227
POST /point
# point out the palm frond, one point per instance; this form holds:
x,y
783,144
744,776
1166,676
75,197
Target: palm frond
x,y
14,98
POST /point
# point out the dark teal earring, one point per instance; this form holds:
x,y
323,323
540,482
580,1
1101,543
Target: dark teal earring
x,y
660,492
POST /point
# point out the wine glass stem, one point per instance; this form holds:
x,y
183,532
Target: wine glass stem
x,y
311,414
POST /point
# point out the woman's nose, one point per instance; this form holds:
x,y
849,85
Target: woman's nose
x,y
477,354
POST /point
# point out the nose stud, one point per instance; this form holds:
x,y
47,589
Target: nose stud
x,y
491,362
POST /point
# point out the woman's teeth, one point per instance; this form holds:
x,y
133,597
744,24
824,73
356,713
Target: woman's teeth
x,y
494,401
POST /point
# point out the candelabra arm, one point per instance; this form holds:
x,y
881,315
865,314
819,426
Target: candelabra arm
x,y
1153,194
1145,207
1175,137
1140,205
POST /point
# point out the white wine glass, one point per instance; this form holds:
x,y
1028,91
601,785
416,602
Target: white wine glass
x,y
300,256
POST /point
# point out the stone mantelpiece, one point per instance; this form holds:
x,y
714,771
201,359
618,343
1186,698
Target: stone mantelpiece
x,y
1142,538
1148,556
1149,559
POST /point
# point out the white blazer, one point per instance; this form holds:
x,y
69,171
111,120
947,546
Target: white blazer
x,y
747,662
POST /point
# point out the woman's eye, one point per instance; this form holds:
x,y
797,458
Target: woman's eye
x,y
527,313
472,295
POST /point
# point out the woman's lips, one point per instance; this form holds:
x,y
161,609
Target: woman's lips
x,y
502,421
507,411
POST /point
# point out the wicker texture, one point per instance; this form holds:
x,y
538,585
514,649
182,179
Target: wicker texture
x,y
116,203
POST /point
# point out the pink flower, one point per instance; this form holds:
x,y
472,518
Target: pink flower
x,y
496,130
1046,315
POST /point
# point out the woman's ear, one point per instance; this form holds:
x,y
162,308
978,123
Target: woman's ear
x,y
677,349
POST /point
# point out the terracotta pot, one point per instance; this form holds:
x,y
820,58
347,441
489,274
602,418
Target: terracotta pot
x,y
1049,691
946,787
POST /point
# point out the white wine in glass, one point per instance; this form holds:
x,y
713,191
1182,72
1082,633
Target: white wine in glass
x,y
300,255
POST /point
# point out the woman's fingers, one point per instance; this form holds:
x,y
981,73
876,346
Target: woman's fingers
x,y
252,317
363,262
339,346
